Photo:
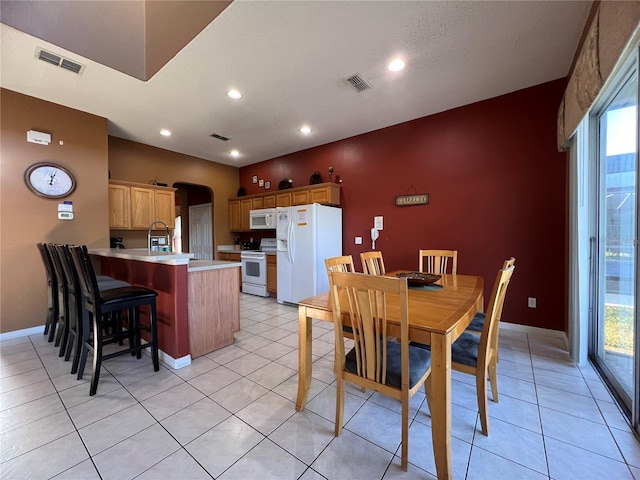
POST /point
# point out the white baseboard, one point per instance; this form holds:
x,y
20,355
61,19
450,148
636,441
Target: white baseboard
x,y
168,360
174,363
22,333
536,331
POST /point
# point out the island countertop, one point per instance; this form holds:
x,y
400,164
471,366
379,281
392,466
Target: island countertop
x,y
199,265
143,255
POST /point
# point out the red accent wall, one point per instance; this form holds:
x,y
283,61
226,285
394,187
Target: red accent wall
x,y
497,188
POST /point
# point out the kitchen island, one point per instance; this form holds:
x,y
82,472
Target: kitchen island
x,y
197,311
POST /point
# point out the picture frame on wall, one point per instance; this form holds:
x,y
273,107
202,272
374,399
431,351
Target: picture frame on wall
x,y
255,179
261,183
267,185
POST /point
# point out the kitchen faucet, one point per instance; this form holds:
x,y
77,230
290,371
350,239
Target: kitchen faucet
x,y
149,234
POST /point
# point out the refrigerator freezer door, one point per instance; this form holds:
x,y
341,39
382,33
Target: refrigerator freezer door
x,y
285,266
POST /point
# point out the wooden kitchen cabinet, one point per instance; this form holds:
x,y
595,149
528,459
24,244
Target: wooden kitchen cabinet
x,y
142,207
134,206
329,194
231,257
119,206
272,274
239,207
301,197
269,201
235,222
283,199
245,207
165,207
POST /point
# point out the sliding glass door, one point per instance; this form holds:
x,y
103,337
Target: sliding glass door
x,y
614,347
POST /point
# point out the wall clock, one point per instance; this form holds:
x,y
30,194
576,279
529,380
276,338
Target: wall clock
x,y
49,180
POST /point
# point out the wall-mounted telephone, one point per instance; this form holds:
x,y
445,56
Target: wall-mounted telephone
x,y
374,236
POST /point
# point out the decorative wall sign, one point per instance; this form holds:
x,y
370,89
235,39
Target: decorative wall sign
x,y
415,199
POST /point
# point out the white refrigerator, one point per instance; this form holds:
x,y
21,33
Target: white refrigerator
x,y
306,235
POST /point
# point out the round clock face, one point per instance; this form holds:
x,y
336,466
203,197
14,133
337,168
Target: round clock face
x,y
49,180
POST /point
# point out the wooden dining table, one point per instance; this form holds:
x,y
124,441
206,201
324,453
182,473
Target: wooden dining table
x,y
437,316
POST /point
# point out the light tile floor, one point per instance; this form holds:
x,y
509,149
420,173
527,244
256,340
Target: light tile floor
x,y
231,415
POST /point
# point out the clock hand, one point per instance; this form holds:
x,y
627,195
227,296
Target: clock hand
x,y
51,178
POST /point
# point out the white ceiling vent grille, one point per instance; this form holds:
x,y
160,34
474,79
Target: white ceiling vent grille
x,y
358,83
220,137
59,61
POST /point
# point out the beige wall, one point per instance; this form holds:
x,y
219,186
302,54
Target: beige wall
x,y
135,162
90,154
25,218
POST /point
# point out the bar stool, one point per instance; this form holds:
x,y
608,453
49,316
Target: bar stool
x,y
52,293
99,304
62,292
75,303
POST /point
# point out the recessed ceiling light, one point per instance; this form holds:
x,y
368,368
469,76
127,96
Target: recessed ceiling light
x,y
235,94
165,133
234,153
305,129
396,65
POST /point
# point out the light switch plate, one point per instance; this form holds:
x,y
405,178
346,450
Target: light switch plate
x,y
358,240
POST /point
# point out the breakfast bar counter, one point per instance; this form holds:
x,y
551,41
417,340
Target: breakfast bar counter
x,y
198,311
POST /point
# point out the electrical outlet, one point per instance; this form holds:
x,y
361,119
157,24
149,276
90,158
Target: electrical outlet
x,y
358,240
532,302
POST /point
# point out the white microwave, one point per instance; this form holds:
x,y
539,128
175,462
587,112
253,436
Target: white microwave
x,y
262,219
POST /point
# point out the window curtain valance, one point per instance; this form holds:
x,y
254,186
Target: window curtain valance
x,y
608,35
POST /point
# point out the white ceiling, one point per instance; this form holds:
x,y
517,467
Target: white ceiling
x,y
289,60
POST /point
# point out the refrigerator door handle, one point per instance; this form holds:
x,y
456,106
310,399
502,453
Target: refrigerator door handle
x,y
290,241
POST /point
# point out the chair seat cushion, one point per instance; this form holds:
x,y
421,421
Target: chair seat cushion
x,y
112,283
419,363
464,350
477,322
124,294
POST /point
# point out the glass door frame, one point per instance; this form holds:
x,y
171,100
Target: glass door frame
x,y
631,406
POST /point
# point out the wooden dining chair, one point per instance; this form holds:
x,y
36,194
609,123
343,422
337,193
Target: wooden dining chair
x,y
372,263
438,261
478,319
478,355
386,365
340,264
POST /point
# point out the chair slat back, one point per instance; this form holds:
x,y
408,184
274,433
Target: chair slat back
x,y
46,260
489,335
69,269
57,265
507,263
438,261
372,263
340,264
86,273
363,298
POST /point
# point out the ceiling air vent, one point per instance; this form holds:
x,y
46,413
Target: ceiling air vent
x,y
220,137
358,83
59,61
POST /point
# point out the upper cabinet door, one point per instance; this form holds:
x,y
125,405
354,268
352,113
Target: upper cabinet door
x,y
165,207
119,206
142,207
